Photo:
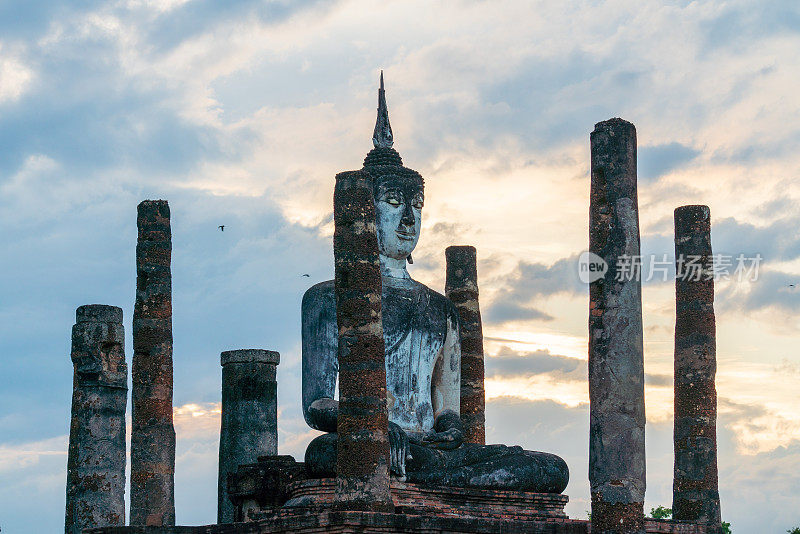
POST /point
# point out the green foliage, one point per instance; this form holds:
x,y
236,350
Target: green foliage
x,y
661,512
795,530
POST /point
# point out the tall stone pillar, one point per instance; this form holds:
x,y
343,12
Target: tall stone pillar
x,y
461,287
695,491
96,457
249,426
153,434
362,465
616,355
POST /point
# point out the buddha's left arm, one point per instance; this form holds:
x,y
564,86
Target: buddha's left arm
x,y
446,390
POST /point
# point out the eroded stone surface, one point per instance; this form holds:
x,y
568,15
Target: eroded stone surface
x,y
467,466
264,485
461,287
695,493
362,465
153,433
249,421
96,456
303,521
616,358
444,501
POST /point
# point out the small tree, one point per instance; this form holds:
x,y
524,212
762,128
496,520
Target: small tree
x,y
726,528
661,512
795,530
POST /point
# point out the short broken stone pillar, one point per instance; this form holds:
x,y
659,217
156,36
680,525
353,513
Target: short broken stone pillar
x,y
362,465
249,422
152,432
461,287
616,354
96,457
695,491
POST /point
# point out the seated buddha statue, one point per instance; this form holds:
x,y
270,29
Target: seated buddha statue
x,y
423,358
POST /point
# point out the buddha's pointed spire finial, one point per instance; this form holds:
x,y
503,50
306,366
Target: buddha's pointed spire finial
x,y
382,136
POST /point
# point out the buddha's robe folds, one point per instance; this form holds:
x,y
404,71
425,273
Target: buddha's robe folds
x,y
423,379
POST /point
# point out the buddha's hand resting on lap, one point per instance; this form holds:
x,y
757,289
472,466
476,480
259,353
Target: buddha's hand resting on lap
x,y
398,450
447,432
449,439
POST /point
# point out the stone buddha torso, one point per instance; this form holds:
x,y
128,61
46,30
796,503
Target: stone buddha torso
x,y
417,323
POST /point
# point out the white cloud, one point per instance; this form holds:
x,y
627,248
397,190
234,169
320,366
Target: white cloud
x,y
26,455
15,76
160,6
197,420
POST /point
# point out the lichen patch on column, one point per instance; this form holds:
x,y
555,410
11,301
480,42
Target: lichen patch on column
x,y
695,493
96,456
362,466
153,433
616,356
461,287
249,422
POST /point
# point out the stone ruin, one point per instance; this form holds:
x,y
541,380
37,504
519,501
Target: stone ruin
x,y
403,447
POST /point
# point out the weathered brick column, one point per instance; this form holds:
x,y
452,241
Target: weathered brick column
x,y
362,465
695,491
616,355
153,434
249,426
96,457
461,287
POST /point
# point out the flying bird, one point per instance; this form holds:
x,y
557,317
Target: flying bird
x,y
221,227
307,275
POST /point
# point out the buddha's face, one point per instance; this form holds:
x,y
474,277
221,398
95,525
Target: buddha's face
x,y
398,206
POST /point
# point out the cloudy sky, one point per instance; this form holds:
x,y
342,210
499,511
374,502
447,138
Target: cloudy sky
x,y
241,113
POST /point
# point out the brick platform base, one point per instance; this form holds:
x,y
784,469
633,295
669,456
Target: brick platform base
x,y
441,501
304,522
275,496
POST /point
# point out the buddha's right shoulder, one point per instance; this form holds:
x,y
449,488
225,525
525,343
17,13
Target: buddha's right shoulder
x,y
319,295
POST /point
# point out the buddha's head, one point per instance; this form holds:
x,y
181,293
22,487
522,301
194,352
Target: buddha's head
x,y
398,190
398,211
